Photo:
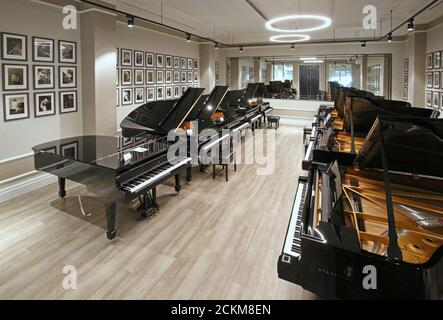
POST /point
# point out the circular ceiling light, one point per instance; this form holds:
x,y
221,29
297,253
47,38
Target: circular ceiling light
x,y
326,23
290,38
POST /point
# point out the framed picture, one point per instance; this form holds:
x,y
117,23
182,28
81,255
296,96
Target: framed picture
x,y
428,98
168,93
70,150
15,77
441,80
405,79
44,104
176,62
14,47
168,76
437,60
139,59
44,77
183,63
67,51
168,62
435,99
405,93
149,60
160,60
196,64
196,77
183,77
126,77
139,95
117,80
126,57
406,65
429,80
42,49
190,76
160,93
127,141
190,64
67,77
68,101
176,76
15,106
429,61
441,100
117,96
160,77
436,80
184,88
177,92
139,76
149,76
150,94
117,57
126,96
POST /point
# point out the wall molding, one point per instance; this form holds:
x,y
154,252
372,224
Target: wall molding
x,y
26,155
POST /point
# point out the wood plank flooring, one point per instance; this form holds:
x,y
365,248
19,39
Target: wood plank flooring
x,y
215,240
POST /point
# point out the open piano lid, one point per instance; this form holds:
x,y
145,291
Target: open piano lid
x,y
412,145
151,117
214,100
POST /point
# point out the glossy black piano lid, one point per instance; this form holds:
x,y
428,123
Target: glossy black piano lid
x,y
214,100
412,145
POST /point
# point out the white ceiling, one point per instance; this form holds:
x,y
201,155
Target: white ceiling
x,y
235,21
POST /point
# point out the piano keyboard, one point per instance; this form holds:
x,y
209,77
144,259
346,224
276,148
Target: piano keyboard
x,y
242,127
309,151
208,146
256,118
149,178
313,133
293,237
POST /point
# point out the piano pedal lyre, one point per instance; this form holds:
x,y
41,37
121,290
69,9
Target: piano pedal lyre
x,y
148,206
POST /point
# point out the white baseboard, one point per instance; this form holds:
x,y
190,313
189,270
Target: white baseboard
x,y
24,184
296,121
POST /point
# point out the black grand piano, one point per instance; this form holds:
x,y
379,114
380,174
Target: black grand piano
x,y
120,169
376,230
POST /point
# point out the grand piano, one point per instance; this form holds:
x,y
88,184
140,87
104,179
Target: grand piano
x,y
374,229
121,169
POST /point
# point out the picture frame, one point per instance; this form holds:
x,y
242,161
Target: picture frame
x,y
196,64
126,57
160,75
429,99
190,64
169,94
183,63
429,62
168,76
441,100
150,77
126,96
14,47
68,102
150,94
44,104
139,76
168,62
436,100
160,60
126,75
160,93
190,76
405,93
117,80
176,62
67,77
405,79
436,77
67,51
117,62
43,77
139,95
42,49
176,76
183,77
184,88
15,106
139,58
429,80
196,77
69,150
436,60
15,77
149,60
177,92
117,96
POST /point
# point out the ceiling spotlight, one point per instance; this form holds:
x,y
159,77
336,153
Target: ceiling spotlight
x,y
411,26
363,44
130,21
188,37
292,47
290,38
216,45
390,37
241,49
326,23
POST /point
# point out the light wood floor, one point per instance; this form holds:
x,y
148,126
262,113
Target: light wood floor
x,y
215,240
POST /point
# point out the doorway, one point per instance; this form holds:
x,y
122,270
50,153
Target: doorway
x,y
309,81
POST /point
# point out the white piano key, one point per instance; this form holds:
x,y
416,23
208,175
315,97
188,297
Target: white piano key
x,y
293,240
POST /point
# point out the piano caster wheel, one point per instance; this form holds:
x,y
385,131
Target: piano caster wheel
x,y
178,189
62,194
111,235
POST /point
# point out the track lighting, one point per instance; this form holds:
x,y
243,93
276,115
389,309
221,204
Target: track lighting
x,y
216,45
363,44
188,37
241,49
292,47
411,26
390,37
130,21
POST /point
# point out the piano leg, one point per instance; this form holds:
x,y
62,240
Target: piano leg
x,y
154,198
189,174
178,187
61,187
111,210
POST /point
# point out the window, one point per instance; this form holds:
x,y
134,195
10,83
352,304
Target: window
x,y
342,73
282,72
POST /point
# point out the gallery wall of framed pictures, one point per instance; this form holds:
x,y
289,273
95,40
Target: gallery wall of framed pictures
x,y
39,76
434,80
144,76
405,79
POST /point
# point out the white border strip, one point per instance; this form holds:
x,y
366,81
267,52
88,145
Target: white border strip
x,y
26,155
24,186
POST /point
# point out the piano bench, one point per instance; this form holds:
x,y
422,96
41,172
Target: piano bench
x,y
225,165
273,120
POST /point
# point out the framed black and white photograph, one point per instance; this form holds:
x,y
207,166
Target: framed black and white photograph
x,y
196,77
139,59
126,77
139,76
139,95
429,80
441,100
176,62
15,106
176,76
69,150
168,62
405,79
117,97
429,61
436,59
168,76
44,77
436,99
67,77
117,80
428,98
169,94
183,63
405,93
436,80
160,93
160,77
117,57
15,77
150,77
149,60
196,64
68,101
441,79
127,141
190,64
184,88
42,49
126,96
150,94
44,104
190,76
183,77
126,57
14,47
160,60
176,92
67,51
